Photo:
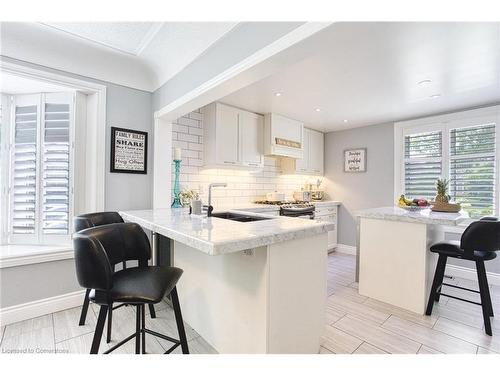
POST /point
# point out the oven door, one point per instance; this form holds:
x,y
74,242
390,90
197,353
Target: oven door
x,y
302,212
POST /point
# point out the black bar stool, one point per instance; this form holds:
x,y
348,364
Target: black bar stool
x,y
478,244
97,250
92,220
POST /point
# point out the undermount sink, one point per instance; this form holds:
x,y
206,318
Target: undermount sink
x,y
238,217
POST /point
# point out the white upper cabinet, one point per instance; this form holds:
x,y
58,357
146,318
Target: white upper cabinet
x,y
232,137
302,165
312,162
316,151
283,136
251,127
226,135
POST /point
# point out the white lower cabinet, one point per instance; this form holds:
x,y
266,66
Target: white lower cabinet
x,y
328,212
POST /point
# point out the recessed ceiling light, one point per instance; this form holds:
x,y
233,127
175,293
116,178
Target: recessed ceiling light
x,y
318,109
277,94
435,96
425,82
345,121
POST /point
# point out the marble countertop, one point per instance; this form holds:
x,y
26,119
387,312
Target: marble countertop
x,y
425,216
215,236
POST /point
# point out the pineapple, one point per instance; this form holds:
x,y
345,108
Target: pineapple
x,y
442,191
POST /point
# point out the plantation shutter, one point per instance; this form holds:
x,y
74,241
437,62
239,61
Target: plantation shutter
x,y
56,164
40,189
23,191
472,168
423,164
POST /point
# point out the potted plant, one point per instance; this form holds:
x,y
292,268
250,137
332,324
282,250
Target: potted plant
x,y
187,196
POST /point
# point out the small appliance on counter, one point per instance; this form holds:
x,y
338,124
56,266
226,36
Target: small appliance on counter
x,y
302,196
275,196
317,195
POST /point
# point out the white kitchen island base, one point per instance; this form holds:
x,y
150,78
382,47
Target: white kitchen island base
x,y
270,299
395,264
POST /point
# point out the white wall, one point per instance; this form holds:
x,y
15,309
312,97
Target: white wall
x,y
243,186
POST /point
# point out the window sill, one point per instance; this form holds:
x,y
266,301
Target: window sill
x,y
21,255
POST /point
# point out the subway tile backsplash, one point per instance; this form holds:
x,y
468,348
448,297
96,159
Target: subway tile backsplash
x,y
242,186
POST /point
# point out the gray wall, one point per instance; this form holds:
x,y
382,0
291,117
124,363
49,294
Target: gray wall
x,y
373,188
125,107
356,191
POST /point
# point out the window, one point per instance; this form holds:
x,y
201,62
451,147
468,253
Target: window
x,y
40,188
461,147
423,164
472,169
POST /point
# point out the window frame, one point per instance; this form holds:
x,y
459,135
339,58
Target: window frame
x,y
90,156
445,123
38,237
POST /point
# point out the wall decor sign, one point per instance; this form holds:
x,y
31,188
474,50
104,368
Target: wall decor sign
x,y
288,143
355,160
129,151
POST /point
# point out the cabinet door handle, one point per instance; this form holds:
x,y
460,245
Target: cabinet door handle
x,y
229,162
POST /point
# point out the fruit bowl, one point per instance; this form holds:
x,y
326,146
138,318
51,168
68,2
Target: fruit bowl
x,y
412,208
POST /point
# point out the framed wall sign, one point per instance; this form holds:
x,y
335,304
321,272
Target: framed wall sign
x,y
355,160
129,151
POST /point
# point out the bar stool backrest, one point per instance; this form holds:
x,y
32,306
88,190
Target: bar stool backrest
x,y
98,249
96,219
482,235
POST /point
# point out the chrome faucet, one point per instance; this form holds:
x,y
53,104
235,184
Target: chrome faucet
x,y
210,208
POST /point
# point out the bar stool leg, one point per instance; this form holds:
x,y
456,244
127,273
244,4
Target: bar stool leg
x,y
138,330
110,322
487,291
152,311
179,321
85,308
438,280
98,329
143,326
484,293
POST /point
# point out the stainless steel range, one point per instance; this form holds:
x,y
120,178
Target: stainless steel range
x,y
303,210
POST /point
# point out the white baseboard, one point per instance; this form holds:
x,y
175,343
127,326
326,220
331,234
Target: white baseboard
x,y
346,249
29,310
470,274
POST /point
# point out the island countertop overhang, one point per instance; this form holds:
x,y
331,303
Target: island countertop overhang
x,y
216,236
425,216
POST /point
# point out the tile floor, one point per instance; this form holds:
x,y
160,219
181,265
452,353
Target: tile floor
x,y
354,324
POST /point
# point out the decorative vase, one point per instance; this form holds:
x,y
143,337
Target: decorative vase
x,y
177,187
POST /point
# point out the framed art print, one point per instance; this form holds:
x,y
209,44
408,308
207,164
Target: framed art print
x,y
355,160
129,151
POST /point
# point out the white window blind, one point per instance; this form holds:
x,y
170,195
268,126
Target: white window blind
x,y
56,185
423,163
472,168
41,193
24,169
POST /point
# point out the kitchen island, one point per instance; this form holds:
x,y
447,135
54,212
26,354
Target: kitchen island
x,y
248,287
395,264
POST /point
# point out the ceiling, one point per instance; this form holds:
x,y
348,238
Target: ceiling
x,y
165,48
369,73
13,84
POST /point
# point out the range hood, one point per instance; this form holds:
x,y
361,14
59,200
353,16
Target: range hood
x,y
283,136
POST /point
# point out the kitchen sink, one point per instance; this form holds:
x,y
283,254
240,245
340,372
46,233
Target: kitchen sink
x,y
238,217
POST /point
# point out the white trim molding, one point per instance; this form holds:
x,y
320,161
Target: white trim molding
x,y
30,310
345,249
34,258
470,274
